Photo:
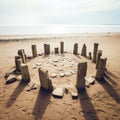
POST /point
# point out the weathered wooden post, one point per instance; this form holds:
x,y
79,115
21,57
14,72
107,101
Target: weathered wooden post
x,y
46,49
101,68
84,50
75,50
34,51
95,52
45,82
81,73
18,62
22,54
89,55
62,47
25,73
99,54
57,50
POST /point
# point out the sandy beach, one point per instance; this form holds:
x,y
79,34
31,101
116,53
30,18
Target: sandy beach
x,y
100,101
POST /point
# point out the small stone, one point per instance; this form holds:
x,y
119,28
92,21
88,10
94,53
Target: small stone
x,y
71,66
87,84
11,81
62,64
32,87
60,69
40,54
54,64
38,64
55,60
62,74
74,92
58,92
34,67
69,60
73,72
74,119
68,74
89,81
6,75
53,75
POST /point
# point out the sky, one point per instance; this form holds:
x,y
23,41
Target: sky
x,y
75,12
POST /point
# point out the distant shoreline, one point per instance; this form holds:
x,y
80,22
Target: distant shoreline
x,y
57,29
24,37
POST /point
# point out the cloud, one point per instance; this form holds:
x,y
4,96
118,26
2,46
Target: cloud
x,y
44,11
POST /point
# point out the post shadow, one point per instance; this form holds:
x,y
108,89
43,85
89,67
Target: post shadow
x,y
87,106
42,101
110,90
45,56
112,75
107,77
78,56
16,93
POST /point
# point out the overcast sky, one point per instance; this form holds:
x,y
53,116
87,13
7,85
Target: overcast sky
x,y
35,12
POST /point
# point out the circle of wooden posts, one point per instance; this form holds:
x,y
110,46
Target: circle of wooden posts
x,y
46,83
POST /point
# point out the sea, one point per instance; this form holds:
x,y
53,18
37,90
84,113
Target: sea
x,y
56,29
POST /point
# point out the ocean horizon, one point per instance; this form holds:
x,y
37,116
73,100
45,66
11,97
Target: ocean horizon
x,y
56,29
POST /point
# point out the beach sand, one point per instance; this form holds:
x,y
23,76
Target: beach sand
x,y
101,101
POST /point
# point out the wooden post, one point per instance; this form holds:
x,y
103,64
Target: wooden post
x,y
16,62
84,50
46,49
22,54
34,51
45,82
18,67
75,50
89,55
81,73
25,73
101,68
62,47
57,50
99,54
95,52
